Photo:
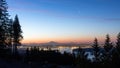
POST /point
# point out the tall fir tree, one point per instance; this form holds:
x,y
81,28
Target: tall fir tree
x,y
108,47
116,53
96,51
118,44
17,34
4,21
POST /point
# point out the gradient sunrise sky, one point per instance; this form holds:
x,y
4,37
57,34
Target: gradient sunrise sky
x,y
66,20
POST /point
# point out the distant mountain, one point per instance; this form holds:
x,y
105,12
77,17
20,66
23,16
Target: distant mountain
x,y
53,43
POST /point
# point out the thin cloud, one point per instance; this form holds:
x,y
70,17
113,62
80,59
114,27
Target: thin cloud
x,y
27,10
99,18
62,15
112,19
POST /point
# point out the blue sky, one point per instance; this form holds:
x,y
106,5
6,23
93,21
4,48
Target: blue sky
x,y
66,20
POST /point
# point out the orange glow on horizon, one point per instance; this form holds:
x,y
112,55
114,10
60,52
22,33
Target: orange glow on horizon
x,y
60,40
66,40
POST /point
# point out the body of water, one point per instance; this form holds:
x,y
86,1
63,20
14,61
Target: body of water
x,y
62,49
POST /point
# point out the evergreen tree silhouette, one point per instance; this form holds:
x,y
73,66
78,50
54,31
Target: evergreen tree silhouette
x,y
116,54
118,44
17,34
108,47
4,20
96,51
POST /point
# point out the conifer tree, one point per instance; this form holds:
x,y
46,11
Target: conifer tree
x,y
116,53
96,51
118,44
4,21
17,34
108,47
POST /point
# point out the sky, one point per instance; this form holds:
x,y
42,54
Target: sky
x,y
66,20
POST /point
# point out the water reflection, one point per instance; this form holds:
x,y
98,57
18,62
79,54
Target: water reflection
x,y
62,49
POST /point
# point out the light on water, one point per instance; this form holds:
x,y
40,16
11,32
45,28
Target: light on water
x,y
62,49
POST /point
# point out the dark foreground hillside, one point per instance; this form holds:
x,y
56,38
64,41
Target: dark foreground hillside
x,y
35,58
20,64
